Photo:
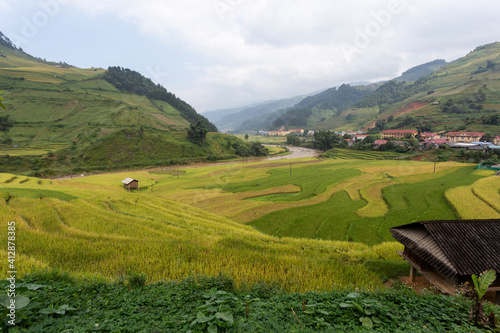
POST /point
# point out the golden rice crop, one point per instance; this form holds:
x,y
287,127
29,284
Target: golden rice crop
x,y
488,190
468,205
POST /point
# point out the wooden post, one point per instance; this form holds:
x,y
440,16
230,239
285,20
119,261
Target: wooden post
x,y
413,273
497,297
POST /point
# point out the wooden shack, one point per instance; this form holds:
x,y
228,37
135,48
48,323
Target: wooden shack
x,y
447,253
130,184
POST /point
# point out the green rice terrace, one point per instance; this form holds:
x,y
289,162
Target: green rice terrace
x,y
233,247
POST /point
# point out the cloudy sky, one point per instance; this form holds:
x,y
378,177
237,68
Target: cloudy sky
x,y
227,53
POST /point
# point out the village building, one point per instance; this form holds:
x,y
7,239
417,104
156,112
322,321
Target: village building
x,y
398,134
465,137
496,140
283,132
130,184
297,130
448,253
379,142
427,135
434,143
468,146
360,137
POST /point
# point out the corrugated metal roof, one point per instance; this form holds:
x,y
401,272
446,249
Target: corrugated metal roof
x,y
463,247
127,181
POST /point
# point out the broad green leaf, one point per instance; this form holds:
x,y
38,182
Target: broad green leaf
x,y
33,286
369,312
345,305
353,295
47,311
201,318
4,300
376,320
366,322
66,307
309,312
226,316
212,329
482,283
324,312
21,301
359,307
370,301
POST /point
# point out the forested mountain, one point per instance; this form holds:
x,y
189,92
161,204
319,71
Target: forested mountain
x,y
332,100
415,73
463,95
235,120
81,119
312,111
131,81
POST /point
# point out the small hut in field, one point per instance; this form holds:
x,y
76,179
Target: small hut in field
x,y
130,184
447,253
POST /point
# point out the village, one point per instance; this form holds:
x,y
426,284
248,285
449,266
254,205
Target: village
x,y
399,137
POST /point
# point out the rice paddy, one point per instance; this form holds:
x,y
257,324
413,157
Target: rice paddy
x,y
306,226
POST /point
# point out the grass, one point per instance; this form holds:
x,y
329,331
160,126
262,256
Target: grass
x,y
36,150
390,203
92,227
179,226
349,154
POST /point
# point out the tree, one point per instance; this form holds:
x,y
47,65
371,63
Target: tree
x,y
325,140
487,138
1,105
5,123
370,139
246,137
481,285
197,132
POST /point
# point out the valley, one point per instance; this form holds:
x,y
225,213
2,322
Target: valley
x,y
221,220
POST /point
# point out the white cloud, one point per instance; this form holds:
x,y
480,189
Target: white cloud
x,y
244,51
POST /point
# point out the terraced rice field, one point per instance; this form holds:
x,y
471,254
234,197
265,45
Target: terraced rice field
x,y
347,154
309,225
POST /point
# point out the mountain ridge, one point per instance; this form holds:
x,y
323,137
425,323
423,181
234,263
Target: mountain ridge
x,y
83,121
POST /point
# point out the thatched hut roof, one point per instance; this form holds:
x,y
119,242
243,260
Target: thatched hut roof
x,y
454,248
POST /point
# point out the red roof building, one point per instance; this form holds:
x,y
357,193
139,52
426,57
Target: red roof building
x,y
458,137
398,134
428,135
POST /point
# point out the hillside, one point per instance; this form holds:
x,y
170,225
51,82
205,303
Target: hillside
x,y
472,83
234,119
415,73
312,111
80,116
309,111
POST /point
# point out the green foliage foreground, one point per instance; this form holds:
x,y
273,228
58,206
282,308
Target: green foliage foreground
x,y
212,304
